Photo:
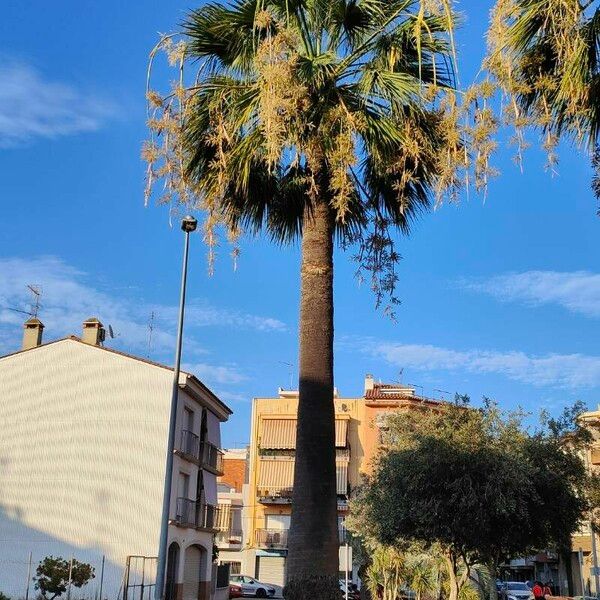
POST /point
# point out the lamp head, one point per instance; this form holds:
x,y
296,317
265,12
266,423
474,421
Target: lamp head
x,y
189,224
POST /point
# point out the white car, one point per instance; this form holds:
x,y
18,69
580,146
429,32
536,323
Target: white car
x,y
515,590
252,587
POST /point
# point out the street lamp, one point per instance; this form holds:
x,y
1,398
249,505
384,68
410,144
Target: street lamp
x,y
188,225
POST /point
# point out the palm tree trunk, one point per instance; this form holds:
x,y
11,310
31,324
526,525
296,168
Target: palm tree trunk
x,y
313,541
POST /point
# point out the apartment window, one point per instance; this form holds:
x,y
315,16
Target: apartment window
x,y
184,485
188,419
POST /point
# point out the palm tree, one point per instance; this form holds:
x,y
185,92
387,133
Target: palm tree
x,y
423,575
545,54
320,120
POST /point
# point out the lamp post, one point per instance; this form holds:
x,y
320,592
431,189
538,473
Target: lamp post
x,y
188,225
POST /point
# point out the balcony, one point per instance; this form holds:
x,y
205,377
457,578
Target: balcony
x,y
197,515
231,537
271,538
211,458
189,445
275,495
278,538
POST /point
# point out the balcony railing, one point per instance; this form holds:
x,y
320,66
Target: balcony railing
x,y
189,444
275,494
231,536
271,538
278,538
191,513
211,458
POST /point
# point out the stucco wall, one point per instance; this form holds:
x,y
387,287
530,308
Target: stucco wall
x,y
82,455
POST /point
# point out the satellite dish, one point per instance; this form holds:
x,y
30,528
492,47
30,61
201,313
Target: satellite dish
x,y
111,333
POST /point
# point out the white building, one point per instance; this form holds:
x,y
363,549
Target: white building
x,y
232,496
82,462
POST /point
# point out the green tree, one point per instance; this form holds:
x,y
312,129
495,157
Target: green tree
x,y
422,575
387,573
476,485
329,121
52,576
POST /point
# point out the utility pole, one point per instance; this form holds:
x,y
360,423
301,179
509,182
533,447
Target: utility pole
x,y
28,578
101,576
595,561
70,579
188,225
581,572
347,560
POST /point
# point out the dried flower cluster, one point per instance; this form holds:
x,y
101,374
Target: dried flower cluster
x,y
292,111
542,56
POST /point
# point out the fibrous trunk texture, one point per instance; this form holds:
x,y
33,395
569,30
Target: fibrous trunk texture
x,y
313,540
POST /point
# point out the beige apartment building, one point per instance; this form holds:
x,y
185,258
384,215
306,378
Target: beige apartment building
x,y
268,500
82,464
586,540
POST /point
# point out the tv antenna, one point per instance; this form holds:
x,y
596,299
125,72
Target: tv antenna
x,y
441,392
291,366
36,292
150,331
111,333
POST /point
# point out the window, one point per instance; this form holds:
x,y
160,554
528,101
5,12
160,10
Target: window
x,y
184,485
188,419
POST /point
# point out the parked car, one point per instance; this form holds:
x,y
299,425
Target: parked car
x,y
235,590
516,590
252,587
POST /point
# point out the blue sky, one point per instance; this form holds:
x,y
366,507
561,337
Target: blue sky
x,y
500,297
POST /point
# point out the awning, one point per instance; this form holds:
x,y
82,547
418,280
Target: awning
x,y
341,476
277,476
280,434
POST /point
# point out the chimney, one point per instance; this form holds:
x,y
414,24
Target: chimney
x,y
32,333
369,382
93,332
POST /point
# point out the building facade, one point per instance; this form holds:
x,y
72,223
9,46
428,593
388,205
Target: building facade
x,y
585,556
268,504
82,465
232,488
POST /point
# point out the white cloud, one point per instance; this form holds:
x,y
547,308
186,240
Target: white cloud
x,y
68,299
33,107
214,375
577,291
227,396
557,370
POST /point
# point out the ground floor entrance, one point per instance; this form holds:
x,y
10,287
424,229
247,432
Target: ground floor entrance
x,y
271,569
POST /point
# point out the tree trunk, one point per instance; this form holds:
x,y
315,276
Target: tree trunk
x,y
493,568
313,540
452,582
456,581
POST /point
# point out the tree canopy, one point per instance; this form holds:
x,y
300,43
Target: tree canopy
x,y
476,484
52,576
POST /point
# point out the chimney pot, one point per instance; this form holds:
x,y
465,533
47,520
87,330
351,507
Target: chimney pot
x,y
369,382
32,333
93,332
